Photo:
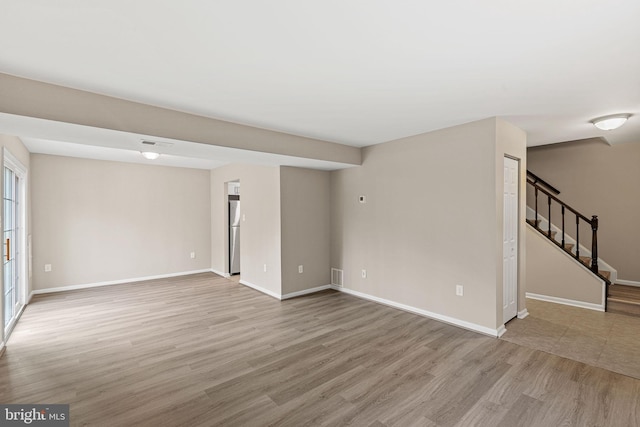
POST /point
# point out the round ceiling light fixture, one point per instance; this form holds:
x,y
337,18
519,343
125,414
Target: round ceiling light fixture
x,y
610,122
150,155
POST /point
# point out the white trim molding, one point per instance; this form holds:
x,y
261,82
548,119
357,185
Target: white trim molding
x,y
2,347
115,282
290,295
523,313
573,303
501,331
261,289
627,282
446,319
305,292
220,273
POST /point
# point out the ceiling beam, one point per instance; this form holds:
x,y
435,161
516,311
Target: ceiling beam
x,y
30,98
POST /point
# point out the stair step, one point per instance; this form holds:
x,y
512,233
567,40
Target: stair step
x,y
569,246
625,292
614,305
624,299
587,261
536,224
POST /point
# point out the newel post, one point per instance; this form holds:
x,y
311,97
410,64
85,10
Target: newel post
x,y
594,244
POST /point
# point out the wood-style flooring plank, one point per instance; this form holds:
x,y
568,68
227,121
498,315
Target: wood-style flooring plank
x,y
203,350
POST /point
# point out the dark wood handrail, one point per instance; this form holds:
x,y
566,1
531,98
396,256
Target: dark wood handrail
x,y
537,179
559,201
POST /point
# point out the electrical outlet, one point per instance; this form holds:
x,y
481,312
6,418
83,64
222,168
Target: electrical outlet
x,y
47,268
364,273
459,290
265,268
300,269
193,255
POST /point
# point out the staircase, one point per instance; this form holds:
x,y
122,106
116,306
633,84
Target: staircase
x,y
570,249
624,300
571,220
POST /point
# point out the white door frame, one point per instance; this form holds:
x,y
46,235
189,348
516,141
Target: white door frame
x,y
20,171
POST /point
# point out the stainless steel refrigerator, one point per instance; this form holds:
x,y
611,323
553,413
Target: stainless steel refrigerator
x,y
234,234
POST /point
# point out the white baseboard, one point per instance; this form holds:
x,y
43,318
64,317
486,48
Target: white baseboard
x,y
628,282
446,319
305,292
573,303
282,297
261,289
523,313
115,282
31,294
501,330
220,273
1,348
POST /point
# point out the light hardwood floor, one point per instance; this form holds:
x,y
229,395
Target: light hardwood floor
x,y
205,351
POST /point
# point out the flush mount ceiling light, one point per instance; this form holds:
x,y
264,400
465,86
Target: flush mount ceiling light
x,y
610,122
150,155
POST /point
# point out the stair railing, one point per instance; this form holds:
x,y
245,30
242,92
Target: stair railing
x,y
536,179
593,222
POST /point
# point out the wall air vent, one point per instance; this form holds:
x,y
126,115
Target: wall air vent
x,y
156,143
336,277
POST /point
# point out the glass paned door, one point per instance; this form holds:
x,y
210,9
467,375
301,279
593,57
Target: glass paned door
x,y
12,297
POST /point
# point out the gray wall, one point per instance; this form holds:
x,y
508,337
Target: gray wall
x,y
260,232
432,221
286,224
553,273
511,141
98,221
305,222
598,179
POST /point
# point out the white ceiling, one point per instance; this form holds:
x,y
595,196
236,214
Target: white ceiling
x,y
352,72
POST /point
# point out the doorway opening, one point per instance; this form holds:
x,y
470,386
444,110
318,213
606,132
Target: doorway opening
x,y
233,226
